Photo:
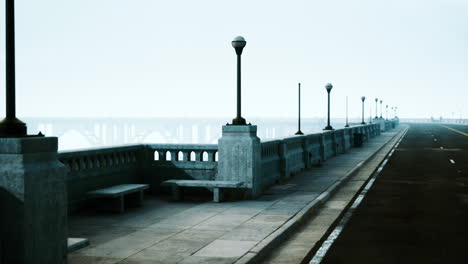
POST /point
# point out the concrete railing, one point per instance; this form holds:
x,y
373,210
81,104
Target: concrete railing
x,y
285,157
271,161
153,163
97,168
179,161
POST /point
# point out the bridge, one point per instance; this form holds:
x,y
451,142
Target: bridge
x,y
371,189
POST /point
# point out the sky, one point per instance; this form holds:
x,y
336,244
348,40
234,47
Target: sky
x,y
149,58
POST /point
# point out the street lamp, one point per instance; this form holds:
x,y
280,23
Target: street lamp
x,y
328,87
381,101
347,125
386,112
299,132
239,43
11,126
370,112
376,114
363,99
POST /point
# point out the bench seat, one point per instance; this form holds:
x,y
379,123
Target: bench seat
x,y
216,186
119,191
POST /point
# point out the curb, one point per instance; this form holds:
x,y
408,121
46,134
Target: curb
x,y
265,246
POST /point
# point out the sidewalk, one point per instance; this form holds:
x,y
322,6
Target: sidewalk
x,y
232,232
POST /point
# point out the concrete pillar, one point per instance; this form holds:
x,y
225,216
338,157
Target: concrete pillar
x,y
240,157
381,122
33,201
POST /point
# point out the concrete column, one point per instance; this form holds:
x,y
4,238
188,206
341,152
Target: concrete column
x,y
33,201
381,122
240,157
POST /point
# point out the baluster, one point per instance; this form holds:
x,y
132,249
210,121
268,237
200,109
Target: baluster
x,y
211,155
173,155
82,164
186,155
103,161
110,161
97,162
74,165
198,155
89,162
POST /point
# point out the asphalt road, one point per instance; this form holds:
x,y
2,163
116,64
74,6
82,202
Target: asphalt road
x,y
416,211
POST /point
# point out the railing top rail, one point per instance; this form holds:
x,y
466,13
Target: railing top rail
x,y
271,141
183,146
98,151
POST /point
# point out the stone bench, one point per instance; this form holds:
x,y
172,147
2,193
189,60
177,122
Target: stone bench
x,y
216,186
134,193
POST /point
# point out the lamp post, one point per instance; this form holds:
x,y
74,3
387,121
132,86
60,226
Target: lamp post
x,y
299,132
381,101
386,112
347,125
11,126
396,111
328,87
239,43
376,114
363,99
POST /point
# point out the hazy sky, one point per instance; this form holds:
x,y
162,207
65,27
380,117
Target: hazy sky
x,y
174,58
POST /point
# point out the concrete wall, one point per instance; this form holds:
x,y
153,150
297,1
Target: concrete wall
x,y
285,157
93,169
179,161
153,163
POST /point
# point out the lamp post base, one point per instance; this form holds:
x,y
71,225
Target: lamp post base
x,y
238,121
299,133
363,123
346,125
328,128
12,128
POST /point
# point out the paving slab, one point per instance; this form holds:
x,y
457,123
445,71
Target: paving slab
x,y
205,232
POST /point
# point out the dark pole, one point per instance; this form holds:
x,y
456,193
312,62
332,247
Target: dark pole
x,y
376,111
299,132
328,87
347,125
381,108
239,43
363,99
10,126
238,87
386,112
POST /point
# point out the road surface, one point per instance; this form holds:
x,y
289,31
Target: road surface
x,y
416,210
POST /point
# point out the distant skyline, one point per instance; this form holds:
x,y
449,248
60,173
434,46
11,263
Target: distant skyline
x,y
146,58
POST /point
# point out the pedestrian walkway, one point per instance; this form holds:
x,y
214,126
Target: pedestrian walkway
x,y
204,232
417,209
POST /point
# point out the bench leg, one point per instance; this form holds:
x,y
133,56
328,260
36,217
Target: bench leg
x,y
176,192
141,198
217,195
121,204
134,199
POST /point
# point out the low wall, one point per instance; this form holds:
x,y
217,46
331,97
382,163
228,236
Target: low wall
x,y
179,161
153,163
285,157
98,168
